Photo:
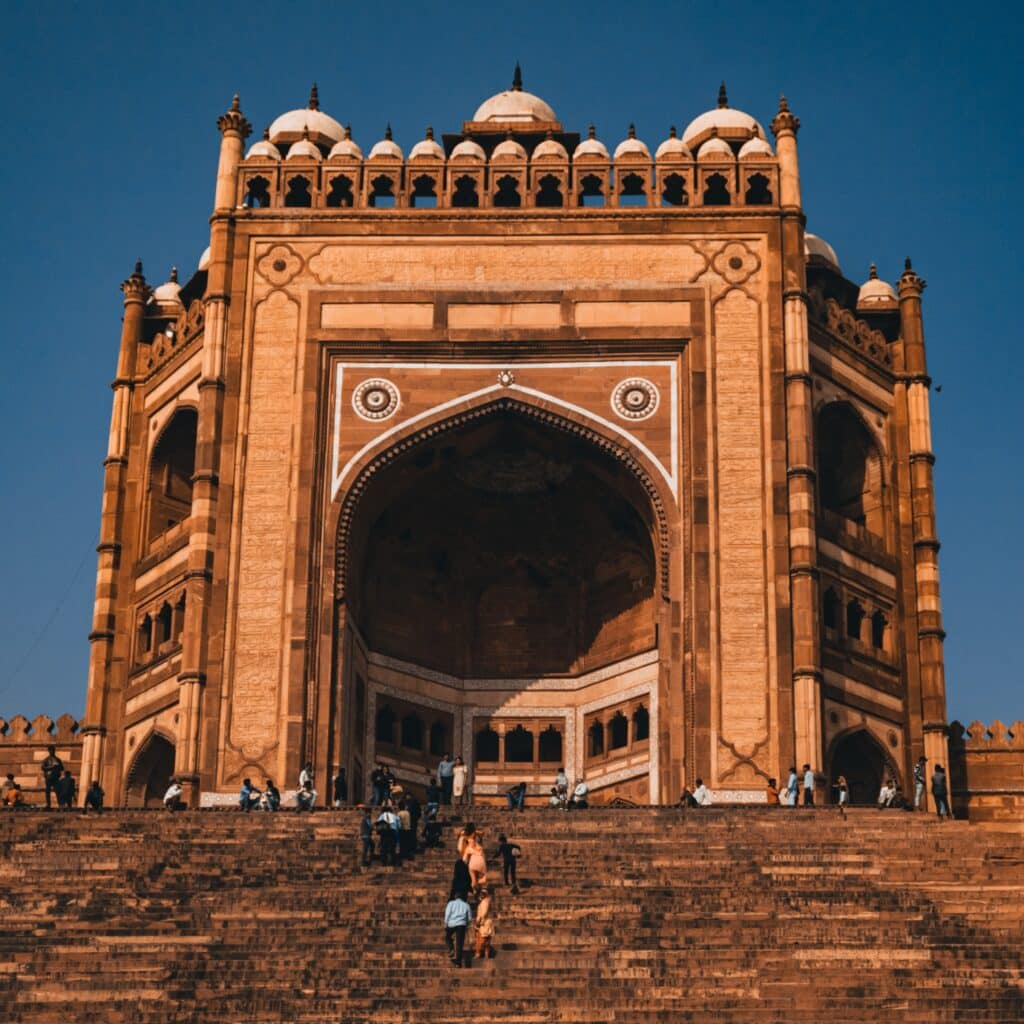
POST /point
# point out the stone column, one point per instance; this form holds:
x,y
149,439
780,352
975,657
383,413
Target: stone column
x,y
102,700
803,545
930,634
234,130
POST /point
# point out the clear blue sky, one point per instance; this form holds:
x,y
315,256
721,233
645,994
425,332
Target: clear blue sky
x,y
911,144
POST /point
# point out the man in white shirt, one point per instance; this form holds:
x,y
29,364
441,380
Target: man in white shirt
x,y
580,796
808,786
172,798
702,794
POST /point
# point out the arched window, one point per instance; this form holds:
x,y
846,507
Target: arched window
x,y
163,625
549,745
145,638
591,192
830,608
673,192
385,725
465,195
596,739
716,191
758,193
633,190
849,468
487,745
340,193
854,619
878,627
424,191
298,193
618,731
507,194
412,732
641,724
257,193
549,193
170,477
518,746
382,192
179,618
438,739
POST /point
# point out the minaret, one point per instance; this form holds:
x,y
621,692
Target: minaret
x,y
803,544
203,521
101,698
930,634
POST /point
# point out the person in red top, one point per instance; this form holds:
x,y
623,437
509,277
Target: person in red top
x,y
771,793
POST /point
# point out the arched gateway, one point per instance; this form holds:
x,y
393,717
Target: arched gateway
x,y
501,581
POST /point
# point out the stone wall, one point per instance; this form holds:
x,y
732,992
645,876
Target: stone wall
x,y
23,747
987,771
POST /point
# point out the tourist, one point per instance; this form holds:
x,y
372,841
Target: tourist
x,y
686,798
93,798
305,798
808,786
248,796
771,793
580,796
172,798
445,775
562,785
702,794
406,836
886,794
516,796
465,837
510,854
792,786
366,837
919,783
556,799
412,804
457,915
940,792
388,827
306,775
476,862
271,798
484,922
379,790
844,795
66,790
431,830
433,796
14,798
460,777
52,769
340,784
461,880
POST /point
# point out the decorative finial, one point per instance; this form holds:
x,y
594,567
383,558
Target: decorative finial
x,y
723,99
174,275
233,120
907,264
632,131
305,132
266,133
785,120
430,133
348,131
783,104
872,273
387,132
138,267
236,106
591,132
671,131
314,98
517,79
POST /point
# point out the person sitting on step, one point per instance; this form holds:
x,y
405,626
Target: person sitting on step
x,y
771,793
702,794
686,798
14,798
305,798
271,796
248,796
562,785
516,796
887,794
580,796
172,798
66,790
93,798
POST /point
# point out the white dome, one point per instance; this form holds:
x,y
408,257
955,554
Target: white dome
x,y
515,104
427,148
289,127
631,146
467,149
550,149
755,149
204,259
346,148
818,248
730,124
715,149
264,149
508,149
386,149
673,148
591,146
303,150
168,293
874,289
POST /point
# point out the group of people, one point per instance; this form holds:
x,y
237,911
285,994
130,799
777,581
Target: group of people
x,y
58,783
561,799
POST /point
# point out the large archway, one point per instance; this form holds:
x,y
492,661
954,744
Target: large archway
x,y
861,758
150,772
502,577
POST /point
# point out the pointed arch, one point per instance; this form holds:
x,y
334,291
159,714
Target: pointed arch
x,y
150,770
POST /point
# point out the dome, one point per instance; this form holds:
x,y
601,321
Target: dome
x,y
386,149
508,149
591,146
755,148
303,149
673,148
874,289
632,146
818,249
204,259
168,293
550,149
323,130
715,149
467,149
264,149
427,148
346,148
730,124
515,104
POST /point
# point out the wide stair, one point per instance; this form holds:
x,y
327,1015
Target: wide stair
x,y
732,916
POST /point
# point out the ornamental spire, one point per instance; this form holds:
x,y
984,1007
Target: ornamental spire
x,y
517,79
723,99
387,132
234,120
314,98
872,273
785,120
135,287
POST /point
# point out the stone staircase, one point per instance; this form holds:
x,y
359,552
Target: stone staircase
x,y
738,916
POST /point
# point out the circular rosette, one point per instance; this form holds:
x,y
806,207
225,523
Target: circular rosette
x,y
735,263
375,399
635,399
279,264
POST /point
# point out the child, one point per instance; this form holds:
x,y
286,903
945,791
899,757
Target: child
x,y
484,924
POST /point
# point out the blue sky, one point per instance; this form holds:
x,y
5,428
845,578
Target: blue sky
x,y
911,145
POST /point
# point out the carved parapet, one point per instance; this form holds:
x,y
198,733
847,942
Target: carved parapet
x,y
978,736
854,332
987,770
173,339
41,730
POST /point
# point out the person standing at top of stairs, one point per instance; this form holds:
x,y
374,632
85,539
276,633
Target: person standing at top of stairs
x,y
445,775
808,786
792,787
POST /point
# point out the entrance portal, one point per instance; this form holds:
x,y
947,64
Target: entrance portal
x,y
862,760
150,773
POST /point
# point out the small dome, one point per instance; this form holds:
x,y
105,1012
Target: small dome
x,y
631,146
591,146
818,250
204,259
729,124
755,148
427,148
508,149
168,293
715,149
550,149
264,149
346,148
874,289
386,149
289,127
467,149
515,105
673,148
304,149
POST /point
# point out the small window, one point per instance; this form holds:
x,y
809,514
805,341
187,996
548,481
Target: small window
x,y
618,731
385,725
145,635
831,609
854,619
633,191
518,746
340,194
465,193
163,624
641,724
487,745
298,193
257,193
382,192
507,195
591,193
549,745
758,192
412,732
673,192
424,192
438,739
549,194
179,618
716,191
878,624
596,737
